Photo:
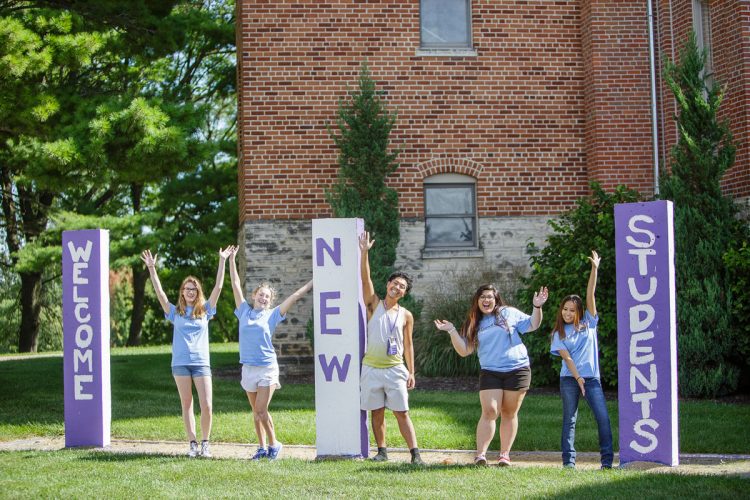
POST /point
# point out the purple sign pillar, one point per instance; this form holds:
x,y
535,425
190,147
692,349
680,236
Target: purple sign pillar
x,y
646,332
340,426
85,266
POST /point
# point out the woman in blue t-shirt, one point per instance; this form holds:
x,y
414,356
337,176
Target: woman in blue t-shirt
x,y
575,340
494,330
260,369
190,356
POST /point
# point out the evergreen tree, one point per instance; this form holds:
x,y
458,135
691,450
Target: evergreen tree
x,y
705,228
364,125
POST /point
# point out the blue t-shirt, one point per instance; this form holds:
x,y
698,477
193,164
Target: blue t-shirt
x,y
256,330
500,346
582,346
190,337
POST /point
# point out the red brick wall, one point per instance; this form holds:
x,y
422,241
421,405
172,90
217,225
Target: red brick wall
x,y
617,94
557,94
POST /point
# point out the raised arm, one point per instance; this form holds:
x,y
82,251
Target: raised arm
x,y
150,261
289,301
538,301
223,255
459,343
234,277
591,288
368,289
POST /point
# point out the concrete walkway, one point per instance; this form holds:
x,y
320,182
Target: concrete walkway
x,y
689,463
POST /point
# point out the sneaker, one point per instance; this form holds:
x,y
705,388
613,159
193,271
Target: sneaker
x,y
417,459
504,460
382,456
273,451
259,453
205,450
606,467
193,452
480,460
569,466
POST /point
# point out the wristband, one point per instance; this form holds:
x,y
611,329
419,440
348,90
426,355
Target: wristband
x,y
536,307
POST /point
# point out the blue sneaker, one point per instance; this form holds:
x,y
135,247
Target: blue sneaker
x,y
273,451
259,453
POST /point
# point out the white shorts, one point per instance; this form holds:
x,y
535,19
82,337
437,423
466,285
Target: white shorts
x,y
260,376
384,387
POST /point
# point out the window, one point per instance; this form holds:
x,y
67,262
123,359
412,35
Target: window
x,y
702,28
450,211
445,24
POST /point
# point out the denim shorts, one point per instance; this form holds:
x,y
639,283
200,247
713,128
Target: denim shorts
x,y
191,371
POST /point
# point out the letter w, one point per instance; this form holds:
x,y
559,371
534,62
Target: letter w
x,y
78,253
335,365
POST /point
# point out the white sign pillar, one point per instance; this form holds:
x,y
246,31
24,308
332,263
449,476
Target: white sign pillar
x,y
340,337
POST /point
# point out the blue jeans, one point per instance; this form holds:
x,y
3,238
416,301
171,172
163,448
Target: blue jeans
x,y
571,392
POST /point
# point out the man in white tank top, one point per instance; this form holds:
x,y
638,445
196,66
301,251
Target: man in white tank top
x,y
385,380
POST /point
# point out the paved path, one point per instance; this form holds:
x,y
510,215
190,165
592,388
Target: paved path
x,y
689,463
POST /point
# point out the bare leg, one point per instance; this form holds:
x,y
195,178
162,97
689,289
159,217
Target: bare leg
x,y
406,428
378,426
263,422
510,404
490,399
204,387
185,388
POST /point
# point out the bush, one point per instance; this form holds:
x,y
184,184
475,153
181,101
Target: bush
x,y
737,261
563,266
450,300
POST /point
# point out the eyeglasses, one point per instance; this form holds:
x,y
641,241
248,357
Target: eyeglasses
x,y
486,297
191,290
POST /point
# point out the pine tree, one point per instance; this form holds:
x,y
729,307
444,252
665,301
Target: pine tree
x,y
364,125
705,227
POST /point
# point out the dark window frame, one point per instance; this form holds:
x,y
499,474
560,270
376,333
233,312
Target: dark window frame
x,y
474,243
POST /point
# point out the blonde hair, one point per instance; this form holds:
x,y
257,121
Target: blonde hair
x,y
199,306
265,284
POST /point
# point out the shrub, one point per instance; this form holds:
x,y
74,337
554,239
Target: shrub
x,y
563,266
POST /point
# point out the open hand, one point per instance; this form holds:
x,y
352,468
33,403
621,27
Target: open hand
x,y
148,259
540,297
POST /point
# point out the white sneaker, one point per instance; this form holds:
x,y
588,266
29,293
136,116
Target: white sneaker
x,y
193,452
205,449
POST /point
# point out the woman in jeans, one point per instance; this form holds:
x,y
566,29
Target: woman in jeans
x,y
575,340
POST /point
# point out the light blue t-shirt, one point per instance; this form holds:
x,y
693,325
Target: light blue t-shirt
x,y
582,346
256,330
190,337
500,346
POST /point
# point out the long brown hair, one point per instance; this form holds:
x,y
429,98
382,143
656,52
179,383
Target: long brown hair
x,y
560,322
199,305
469,330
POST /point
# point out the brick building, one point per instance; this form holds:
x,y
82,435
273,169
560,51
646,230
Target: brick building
x,y
506,111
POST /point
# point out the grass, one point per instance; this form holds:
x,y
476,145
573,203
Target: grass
x,y
145,405
88,474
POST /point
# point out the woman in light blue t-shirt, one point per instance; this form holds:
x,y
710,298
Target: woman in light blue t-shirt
x,y
575,340
493,330
260,369
190,357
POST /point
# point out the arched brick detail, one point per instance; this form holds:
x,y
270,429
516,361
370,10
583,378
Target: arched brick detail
x,y
449,165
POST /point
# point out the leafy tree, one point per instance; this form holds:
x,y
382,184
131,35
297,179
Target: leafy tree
x,y
705,228
563,267
102,105
364,126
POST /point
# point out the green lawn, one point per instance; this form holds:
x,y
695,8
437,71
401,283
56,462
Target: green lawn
x,y
88,474
145,405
